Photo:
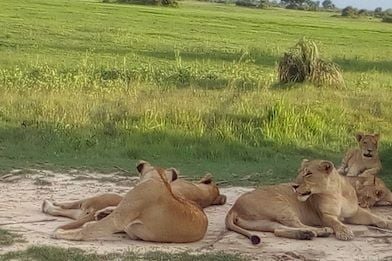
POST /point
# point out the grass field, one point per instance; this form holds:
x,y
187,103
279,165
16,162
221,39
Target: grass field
x,y
90,85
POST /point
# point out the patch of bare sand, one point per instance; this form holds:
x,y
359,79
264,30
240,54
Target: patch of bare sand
x,y
20,211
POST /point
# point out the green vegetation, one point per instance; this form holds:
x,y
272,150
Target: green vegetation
x,y
94,85
303,63
49,253
8,238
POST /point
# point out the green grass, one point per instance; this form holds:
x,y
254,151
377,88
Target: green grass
x,y
49,253
8,238
90,85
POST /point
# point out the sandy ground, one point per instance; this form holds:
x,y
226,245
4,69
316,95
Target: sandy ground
x,y
20,211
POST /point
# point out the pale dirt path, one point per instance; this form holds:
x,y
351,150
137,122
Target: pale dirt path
x,y
21,200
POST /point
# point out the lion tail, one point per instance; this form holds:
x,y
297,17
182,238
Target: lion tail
x,y
231,225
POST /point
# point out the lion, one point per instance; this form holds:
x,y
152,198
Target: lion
x,y
314,206
150,212
364,160
371,191
205,193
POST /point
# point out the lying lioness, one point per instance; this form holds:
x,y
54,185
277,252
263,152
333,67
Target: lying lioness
x,y
149,212
204,193
321,197
371,191
364,160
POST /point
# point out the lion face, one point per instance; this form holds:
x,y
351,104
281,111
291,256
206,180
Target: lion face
x,y
368,144
313,178
369,195
147,171
370,191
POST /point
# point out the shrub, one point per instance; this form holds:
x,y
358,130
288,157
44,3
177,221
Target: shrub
x,y
146,2
349,11
387,19
302,63
246,3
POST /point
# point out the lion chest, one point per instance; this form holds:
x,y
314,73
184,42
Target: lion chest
x,y
349,205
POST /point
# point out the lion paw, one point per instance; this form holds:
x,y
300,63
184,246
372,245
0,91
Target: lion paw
x,y
46,205
344,233
306,235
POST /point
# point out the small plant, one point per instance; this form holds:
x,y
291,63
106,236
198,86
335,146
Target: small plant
x,y
302,63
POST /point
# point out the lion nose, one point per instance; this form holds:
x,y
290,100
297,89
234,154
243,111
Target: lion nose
x,y
295,186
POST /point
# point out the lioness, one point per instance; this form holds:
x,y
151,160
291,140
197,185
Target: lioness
x,y
363,161
204,193
371,191
149,212
321,197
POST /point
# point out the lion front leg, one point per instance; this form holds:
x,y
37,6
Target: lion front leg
x,y
342,232
370,172
365,217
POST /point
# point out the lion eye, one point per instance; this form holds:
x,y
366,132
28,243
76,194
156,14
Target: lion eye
x,y
308,174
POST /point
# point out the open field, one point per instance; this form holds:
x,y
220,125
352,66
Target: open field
x,y
90,85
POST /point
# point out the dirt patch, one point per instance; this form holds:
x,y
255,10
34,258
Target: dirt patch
x,y
20,212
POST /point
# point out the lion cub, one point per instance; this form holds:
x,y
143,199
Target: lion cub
x,y
362,161
320,200
371,191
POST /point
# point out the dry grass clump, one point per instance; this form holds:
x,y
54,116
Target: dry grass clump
x,y
303,63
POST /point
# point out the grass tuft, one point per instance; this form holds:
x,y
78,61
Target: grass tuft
x,y
303,63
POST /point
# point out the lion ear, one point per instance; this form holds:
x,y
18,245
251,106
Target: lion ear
x,y
379,194
207,179
172,174
140,165
304,161
359,136
326,166
376,136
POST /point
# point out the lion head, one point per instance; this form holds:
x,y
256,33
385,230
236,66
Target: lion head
x,y
369,195
313,178
147,171
370,191
212,187
368,143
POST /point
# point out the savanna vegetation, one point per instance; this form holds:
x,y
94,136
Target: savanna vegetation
x,y
86,84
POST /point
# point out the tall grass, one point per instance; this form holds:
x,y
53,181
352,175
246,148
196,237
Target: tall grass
x,y
196,91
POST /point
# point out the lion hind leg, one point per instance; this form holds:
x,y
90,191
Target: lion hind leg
x,y
319,231
137,230
365,217
73,204
49,208
278,229
90,231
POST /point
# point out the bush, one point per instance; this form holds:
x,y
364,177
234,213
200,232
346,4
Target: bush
x,y
252,3
387,19
302,63
145,2
350,11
